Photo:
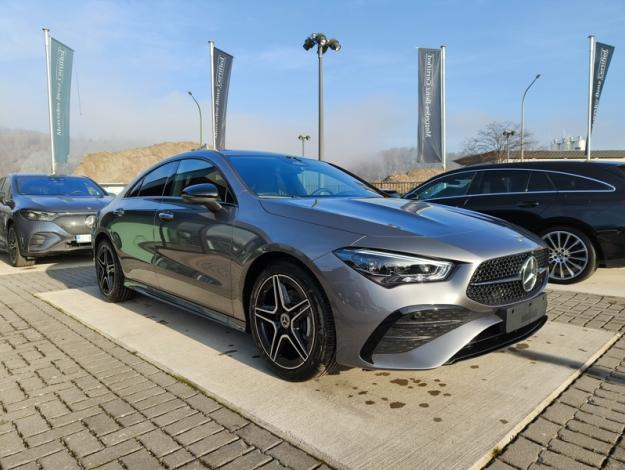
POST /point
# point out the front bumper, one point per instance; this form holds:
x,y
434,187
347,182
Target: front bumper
x,y
373,323
42,238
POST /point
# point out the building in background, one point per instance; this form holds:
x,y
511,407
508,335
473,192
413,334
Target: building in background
x,y
569,144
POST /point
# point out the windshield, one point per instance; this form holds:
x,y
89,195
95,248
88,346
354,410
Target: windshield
x,y
57,186
270,176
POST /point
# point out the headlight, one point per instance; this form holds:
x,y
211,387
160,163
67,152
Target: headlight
x,y
38,215
392,269
90,221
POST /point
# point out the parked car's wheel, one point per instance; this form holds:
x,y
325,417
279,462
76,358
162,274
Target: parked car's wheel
x,y
15,252
572,255
109,274
291,322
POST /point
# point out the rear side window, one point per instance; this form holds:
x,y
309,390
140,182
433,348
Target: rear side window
x,y
455,185
503,181
567,182
539,181
155,181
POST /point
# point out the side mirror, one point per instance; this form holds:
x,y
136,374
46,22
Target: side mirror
x,y
205,193
391,193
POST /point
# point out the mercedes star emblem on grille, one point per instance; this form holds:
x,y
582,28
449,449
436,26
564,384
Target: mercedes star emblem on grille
x,y
529,273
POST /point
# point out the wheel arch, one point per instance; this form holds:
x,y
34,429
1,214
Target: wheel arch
x,y
260,263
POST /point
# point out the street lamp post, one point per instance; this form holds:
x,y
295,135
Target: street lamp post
x,y
303,138
507,134
523,114
323,44
200,112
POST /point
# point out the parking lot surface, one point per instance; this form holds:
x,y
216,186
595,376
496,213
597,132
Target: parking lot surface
x,y
71,398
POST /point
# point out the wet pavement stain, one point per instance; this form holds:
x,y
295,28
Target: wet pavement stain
x,y
383,374
354,388
410,386
396,404
423,384
229,351
503,421
437,380
475,367
384,399
581,349
442,385
522,346
369,402
446,394
434,392
350,396
424,405
437,420
364,392
163,322
402,382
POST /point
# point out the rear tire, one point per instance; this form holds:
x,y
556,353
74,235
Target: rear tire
x,y
572,255
14,250
292,323
109,274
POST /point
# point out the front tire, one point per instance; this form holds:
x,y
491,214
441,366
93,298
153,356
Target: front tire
x,y
109,274
291,322
572,255
14,250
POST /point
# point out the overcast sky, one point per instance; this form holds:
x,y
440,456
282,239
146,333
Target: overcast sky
x,y
136,60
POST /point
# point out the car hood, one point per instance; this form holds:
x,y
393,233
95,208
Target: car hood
x,y
64,203
411,226
384,216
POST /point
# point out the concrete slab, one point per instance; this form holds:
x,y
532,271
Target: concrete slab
x,y
451,417
44,264
610,282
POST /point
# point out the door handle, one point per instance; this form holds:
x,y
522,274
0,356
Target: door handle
x,y
118,212
166,216
528,204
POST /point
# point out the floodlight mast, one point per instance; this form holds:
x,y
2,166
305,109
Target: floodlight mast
x,y
323,44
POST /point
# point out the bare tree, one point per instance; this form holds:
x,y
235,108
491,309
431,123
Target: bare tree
x,y
491,139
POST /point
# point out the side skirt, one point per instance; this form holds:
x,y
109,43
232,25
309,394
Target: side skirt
x,y
186,305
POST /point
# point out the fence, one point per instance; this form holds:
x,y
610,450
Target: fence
x,y
401,187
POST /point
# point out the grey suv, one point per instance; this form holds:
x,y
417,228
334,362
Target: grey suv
x,y
319,266
42,215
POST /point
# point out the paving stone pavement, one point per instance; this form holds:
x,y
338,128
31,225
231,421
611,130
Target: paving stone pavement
x,y
70,398
582,428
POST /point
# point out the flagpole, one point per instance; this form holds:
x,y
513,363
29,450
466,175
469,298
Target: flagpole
x,y
211,45
46,36
443,108
591,70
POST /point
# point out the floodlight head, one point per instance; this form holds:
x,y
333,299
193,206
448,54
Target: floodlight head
x,y
334,45
308,44
190,94
537,76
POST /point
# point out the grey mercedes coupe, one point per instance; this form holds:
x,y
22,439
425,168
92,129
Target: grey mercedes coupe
x,y
319,266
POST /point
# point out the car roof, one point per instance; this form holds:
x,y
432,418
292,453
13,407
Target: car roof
x,y
545,165
46,175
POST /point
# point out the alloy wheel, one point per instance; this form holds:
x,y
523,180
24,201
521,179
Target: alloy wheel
x,y
284,321
568,255
105,269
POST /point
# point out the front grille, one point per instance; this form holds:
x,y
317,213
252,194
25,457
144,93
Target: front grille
x,y
498,281
73,223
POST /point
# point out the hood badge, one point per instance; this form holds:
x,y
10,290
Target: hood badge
x,y
529,273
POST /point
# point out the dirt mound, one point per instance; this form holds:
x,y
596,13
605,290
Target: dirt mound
x,y
416,175
123,166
